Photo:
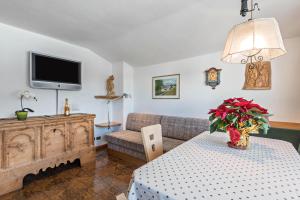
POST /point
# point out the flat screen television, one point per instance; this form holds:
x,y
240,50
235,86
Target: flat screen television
x,y
50,72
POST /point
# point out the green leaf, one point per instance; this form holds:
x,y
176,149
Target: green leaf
x,y
267,115
255,110
235,119
222,130
263,119
212,117
222,126
231,118
265,128
248,123
254,114
213,126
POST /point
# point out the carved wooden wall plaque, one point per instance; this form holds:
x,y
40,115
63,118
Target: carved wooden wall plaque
x,y
258,76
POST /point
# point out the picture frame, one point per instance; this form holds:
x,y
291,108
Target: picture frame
x,y
166,87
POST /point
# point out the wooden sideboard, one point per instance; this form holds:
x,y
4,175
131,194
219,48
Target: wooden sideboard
x,y
26,147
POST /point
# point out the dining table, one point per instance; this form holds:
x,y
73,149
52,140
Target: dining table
x,y
206,168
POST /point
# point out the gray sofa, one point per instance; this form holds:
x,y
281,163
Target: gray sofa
x,y
175,131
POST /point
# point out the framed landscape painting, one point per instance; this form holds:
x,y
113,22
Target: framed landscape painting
x,y
166,87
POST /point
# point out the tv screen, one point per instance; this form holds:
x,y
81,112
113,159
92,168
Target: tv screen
x,y
54,73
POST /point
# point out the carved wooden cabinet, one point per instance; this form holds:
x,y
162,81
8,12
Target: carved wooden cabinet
x,y
41,142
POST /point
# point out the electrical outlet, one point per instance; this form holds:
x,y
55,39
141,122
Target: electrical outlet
x,y
98,138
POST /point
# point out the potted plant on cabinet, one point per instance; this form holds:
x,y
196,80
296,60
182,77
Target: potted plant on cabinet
x,y
23,113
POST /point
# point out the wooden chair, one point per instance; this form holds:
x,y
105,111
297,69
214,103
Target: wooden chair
x,y
152,140
121,197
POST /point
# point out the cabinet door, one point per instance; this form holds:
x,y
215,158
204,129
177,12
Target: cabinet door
x,y
54,140
80,135
20,147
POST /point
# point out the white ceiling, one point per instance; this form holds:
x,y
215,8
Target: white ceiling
x,y
143,32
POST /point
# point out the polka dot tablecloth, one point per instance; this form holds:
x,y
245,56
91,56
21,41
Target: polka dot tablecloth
x,y
206,168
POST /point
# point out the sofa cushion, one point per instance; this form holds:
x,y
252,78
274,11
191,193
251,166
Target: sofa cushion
x,y
133,140
127,151
128,139
136,121
183,128
170,143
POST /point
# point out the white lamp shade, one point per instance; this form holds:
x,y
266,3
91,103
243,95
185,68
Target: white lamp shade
x,y
259,37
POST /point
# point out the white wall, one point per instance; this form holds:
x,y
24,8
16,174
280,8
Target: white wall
x,y
128,87
123,74
14,46
117,106
197,98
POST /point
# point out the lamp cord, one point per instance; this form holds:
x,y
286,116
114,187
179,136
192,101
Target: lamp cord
x,y
108,108
251,11
108,115
56,102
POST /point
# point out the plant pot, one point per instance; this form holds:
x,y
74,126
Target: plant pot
x,y
21,115
243,142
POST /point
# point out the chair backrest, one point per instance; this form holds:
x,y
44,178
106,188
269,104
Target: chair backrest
x,y
121,197
152,140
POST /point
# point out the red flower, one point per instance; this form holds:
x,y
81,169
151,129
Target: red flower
x,y
219,111
241,99
222,111
261,109
244,118
212,111
242,103
234,135
231,100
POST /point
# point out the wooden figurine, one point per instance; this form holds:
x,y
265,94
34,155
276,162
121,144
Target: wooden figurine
x,y
110,86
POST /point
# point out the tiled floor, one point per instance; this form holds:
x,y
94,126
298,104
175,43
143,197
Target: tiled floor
x,y
101,180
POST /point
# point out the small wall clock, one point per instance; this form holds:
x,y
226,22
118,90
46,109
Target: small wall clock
x,y
213,77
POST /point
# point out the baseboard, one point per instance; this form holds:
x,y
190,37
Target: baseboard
x,y
101,147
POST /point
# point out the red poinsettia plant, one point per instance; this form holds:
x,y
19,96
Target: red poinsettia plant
x,y
237,114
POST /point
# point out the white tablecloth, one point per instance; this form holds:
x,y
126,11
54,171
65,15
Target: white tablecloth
x,y
205,168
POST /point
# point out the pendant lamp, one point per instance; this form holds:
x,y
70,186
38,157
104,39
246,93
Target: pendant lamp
x,y
253,40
